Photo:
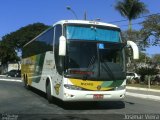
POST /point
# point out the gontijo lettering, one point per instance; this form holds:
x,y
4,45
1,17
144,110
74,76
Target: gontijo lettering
x,y
87,84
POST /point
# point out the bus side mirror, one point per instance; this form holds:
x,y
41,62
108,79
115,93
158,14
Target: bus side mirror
x,y
62,46
134,48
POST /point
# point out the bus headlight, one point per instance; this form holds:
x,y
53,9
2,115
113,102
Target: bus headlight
x,y
72,87
121,87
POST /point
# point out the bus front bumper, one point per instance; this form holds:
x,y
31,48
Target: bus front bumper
x,y
76,95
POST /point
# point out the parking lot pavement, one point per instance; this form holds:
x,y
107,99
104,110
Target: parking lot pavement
x,y
15,99
143,93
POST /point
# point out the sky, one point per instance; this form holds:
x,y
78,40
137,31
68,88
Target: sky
x,y
15,14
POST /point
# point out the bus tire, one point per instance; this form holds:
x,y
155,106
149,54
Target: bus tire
x,y
26,85
48,93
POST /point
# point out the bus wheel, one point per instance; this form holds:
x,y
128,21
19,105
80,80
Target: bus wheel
x,y
48,93
26,83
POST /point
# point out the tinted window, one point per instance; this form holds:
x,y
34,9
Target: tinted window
x,y
92,33
58,59
80,54
41,44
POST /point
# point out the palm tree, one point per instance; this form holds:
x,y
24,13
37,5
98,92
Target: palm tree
x,y
131,9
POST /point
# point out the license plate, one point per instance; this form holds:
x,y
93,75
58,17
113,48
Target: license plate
x,y
97,96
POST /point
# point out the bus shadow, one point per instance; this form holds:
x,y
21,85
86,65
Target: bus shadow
x,y
38,92
91,105
82,105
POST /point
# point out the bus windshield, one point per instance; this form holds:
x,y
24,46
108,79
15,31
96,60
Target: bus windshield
x,y
92,33
94,55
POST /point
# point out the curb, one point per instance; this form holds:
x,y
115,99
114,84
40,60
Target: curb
x,y
143,89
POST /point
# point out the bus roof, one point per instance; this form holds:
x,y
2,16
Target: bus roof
x,y
85,22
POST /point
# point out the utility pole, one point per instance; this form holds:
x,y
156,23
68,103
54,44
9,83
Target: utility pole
x,y
85,15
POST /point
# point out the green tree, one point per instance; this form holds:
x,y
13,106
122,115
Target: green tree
x,y
7,53
151,27
138,36
143,58
16,40
147,71
156,58
20,37
131,9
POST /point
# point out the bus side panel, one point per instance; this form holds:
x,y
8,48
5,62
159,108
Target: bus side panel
x,y
28,68
33,68
50,72
38,69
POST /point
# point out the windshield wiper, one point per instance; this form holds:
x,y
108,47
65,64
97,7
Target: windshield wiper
x,y
89,66
109,71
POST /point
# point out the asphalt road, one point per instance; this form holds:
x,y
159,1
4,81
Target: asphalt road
x,y
17,102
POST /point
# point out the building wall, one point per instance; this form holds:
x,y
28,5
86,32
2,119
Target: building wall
x,y
10,66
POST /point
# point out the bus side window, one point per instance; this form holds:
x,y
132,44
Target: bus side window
x,y
58,33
